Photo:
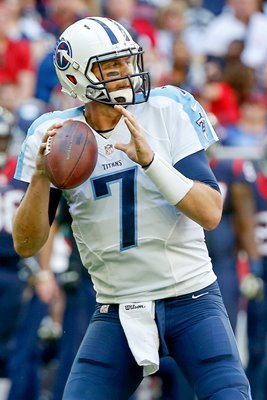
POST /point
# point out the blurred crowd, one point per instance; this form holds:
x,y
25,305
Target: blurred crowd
x,y
217,50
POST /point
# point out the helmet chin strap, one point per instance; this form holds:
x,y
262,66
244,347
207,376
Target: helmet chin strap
x,y
122,96
126,95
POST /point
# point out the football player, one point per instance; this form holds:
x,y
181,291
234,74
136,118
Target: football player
x,y
234,233
18,316
257,308
11,286
138,222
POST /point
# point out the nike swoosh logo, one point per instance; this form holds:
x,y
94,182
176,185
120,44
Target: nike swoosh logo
x,y
196,296
194,107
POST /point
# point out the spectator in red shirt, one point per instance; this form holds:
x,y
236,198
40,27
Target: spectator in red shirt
x,y
218,96
17,75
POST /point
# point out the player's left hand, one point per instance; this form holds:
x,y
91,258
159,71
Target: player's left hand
x,y
138,150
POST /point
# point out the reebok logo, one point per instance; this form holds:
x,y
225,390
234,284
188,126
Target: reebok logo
x,y
196,296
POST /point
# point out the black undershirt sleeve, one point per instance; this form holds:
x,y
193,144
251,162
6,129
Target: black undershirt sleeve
x,y
54,198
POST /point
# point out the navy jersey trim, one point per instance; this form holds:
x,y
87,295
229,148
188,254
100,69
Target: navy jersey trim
x,y
196,167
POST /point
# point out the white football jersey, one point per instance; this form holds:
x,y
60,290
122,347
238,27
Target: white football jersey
x,y
136,245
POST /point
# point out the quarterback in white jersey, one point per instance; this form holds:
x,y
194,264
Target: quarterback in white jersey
x,y
125,229
138,220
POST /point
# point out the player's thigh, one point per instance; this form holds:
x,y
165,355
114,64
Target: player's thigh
x,y
104,367
207,352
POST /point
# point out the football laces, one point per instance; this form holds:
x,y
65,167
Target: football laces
x,y
48,145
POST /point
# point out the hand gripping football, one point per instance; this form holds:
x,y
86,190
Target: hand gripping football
x,y
71,155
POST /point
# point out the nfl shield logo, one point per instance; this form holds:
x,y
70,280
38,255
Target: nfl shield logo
x,y
104,309
109,148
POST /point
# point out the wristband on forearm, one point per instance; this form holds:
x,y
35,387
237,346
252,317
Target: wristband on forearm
x,y
172,184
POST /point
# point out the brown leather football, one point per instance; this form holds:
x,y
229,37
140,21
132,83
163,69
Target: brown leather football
x,y
71,155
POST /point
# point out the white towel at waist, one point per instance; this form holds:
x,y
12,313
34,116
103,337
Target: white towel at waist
x,y
138,322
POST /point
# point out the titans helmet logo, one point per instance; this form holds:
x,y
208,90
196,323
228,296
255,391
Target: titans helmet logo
x,y
63,47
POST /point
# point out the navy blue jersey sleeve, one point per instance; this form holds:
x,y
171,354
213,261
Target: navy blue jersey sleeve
x,y
196,167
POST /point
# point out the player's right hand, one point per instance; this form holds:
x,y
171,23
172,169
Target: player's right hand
x,y
40,168
138,149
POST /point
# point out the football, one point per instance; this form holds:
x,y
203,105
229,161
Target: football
x,y
70,155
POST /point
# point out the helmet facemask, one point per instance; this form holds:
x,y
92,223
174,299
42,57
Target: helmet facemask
x,y
138,83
